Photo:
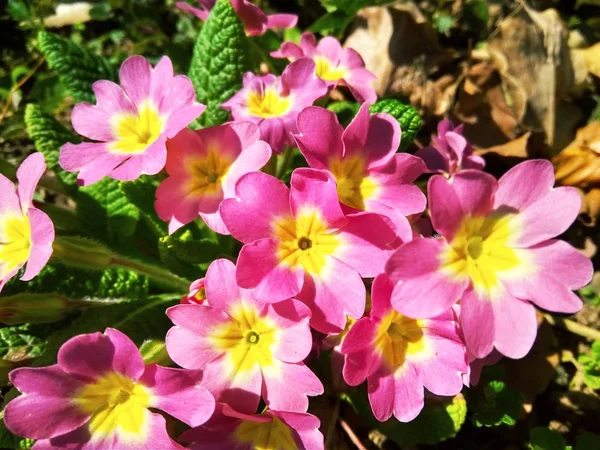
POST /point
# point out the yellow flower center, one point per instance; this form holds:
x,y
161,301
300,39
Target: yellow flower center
x,y
15,242
305,241
248,339
353,186
268,103
274,435
397,337
136,133
328,71
116,403
479,251
207,173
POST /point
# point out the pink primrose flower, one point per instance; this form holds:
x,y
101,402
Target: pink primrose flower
x,y
26,233
299,243
130,122
230,429
450,152
496,254
255,21
196,295
335,65
273,103
370,176
245,348
203,167
98,397
400,356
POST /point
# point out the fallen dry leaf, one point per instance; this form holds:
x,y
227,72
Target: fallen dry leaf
x,y
579,163
530,145
532,47
591,56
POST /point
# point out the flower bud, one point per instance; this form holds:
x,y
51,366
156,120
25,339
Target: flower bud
x,y
82,252
32,308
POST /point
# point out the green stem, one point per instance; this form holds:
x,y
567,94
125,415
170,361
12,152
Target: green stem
x,y
285,162
10,171
157,274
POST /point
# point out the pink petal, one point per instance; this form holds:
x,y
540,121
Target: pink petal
x,y
273,131
253,157
201,14
260,199
319,136
279,21
442,375
135,76
259,268
28,175
375,137
41,417
221,287
295,342
409,398
435,160
469,192
330,48
360,336
280,394
288,50
524,184
42,236
560,269
240,391
381,294
189,348
307,428
366,244
316,189
421,289
360,365
549,216
382,391
478,323
178,393
513,317
338,292
9,201
174,205
126,359
49,381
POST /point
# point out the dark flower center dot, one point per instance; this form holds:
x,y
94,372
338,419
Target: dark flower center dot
x,y
304,243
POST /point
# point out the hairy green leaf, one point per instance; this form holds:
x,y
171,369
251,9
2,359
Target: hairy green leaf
x,y
591,366
221,57
494,403
17,344
545,439
193,251
77,67
407,116
141,193
48,137
105,212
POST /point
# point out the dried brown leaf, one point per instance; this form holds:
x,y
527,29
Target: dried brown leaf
x,y
579,163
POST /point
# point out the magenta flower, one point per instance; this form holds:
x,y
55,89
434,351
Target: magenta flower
x,y
196,295
244,347
255,21
299,243
203,167
400,356
370,176
271,430
98,397
335,65
450,151
131,122
273,103
26,233
496,255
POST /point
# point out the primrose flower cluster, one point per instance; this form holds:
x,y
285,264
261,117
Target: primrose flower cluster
x,y
439,303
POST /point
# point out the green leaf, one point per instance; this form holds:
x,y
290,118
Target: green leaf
x,y
494,403
444,23
591,366
344,110
77,67
588,441
105,212
9,440
193,251
545,439
476,15
407,116
17,9
17,344
155,351
48,137
78,283
220,59
173,261
141,193
439,420
140,320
